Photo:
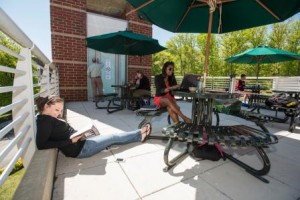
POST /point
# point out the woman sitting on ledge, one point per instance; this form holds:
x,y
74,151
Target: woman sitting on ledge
x,y
53,132
164,84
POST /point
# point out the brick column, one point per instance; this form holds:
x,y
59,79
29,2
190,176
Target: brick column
x,y
69,54
143,63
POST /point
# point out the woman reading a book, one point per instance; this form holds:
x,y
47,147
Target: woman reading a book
x,y
53,132
165,83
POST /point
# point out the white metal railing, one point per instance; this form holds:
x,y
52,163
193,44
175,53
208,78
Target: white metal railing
x,y
287,83
222,82
30,81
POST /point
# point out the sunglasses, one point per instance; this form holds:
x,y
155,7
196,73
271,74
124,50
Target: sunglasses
x,y
170,69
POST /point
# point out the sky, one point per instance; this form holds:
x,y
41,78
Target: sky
x,y
33,17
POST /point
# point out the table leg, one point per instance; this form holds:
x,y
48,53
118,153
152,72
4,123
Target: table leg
x,y
172,163
202,111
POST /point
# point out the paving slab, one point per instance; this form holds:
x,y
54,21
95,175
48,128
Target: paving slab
x,y
140,175
98,182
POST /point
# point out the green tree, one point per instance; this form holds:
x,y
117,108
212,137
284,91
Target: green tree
x,y
277,39
286,36
214,57
188,51
293,45
232,44
183,48
158,61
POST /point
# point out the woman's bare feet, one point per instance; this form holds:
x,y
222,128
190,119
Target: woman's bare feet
x,y
146,131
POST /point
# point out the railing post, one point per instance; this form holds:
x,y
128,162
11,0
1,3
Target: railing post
x,y
27,93
45,81
55,80
275,83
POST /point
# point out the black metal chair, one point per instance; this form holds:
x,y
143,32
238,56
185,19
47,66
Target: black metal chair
x,y
112,105
149,112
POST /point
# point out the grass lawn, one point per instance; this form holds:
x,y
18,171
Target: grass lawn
x,y
8,189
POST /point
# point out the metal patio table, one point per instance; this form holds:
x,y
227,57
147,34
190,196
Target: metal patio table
x,y
202,105
202,131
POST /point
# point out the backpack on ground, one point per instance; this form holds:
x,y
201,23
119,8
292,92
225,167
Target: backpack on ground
x,y
204,151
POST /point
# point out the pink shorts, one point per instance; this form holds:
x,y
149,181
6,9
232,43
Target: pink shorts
x,y
156,99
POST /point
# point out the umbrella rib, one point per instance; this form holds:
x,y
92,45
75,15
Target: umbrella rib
x,y
218,2
140,7
185,14
266,8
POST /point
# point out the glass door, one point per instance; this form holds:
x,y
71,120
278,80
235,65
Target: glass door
x,y
113,71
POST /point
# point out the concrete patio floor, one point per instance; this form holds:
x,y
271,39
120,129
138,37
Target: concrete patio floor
x,y
141,176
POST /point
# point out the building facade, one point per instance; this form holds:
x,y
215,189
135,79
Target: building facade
x,y
69,24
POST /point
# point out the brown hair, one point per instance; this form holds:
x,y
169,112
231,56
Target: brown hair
x,y
164,70
49,100
165,66
139,71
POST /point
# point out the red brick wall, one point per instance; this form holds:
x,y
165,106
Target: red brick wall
x,y
143,63
69,54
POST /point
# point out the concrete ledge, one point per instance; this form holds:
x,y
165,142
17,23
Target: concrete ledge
x,y
37,182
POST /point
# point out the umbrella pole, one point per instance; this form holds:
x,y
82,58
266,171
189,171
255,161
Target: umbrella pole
x,y
207,50
257,73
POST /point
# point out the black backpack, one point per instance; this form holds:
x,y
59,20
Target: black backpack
x,y
204,151
207,152
282,100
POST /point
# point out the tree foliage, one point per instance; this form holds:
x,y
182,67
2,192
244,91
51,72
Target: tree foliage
x,y
6,79
188,51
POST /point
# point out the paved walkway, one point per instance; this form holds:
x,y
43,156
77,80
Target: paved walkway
x,y
141,176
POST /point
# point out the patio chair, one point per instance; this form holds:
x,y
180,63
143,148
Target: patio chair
x,y
149,112
112,105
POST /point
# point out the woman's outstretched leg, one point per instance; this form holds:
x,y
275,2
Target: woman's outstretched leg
x,y
174,108
98,143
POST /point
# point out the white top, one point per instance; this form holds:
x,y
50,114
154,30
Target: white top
x,y
94,70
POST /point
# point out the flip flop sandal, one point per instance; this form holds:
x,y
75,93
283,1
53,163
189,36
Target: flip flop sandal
x,y
148,132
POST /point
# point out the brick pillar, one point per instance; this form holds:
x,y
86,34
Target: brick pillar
x,y
69,54
143,63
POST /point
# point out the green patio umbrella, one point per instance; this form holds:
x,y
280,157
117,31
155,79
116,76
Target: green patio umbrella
x,y
213,16
124,42
261,55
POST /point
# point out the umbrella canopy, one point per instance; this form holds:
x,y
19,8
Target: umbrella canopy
x,y
263,54
124,42
213,16
192,16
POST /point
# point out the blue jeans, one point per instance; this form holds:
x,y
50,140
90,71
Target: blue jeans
x,y
98,143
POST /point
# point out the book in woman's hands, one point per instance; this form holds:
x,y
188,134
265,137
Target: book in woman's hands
x,y
87,131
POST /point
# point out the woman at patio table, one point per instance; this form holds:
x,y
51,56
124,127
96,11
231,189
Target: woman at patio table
x,y
165,83
53,132
240,87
